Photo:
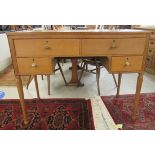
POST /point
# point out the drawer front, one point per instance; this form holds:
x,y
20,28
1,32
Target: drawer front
x,y
46,47
151,52
33,66
152,44
127,64
152,35
113,46
149,62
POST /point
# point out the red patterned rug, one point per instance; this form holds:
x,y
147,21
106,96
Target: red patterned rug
x,y
56,114
121,109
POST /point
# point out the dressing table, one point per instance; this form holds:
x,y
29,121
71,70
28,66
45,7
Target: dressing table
x,y
125,52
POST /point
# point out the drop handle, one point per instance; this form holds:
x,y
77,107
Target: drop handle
x,y
47,47
127,63
34,64
113,44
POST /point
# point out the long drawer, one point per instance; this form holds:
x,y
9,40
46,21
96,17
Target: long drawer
x,y
127,64
33,66
46,47
113,46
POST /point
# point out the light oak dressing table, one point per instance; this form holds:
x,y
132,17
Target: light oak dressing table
x,y
125,52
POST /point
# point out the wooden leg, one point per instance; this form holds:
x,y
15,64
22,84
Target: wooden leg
x,y
21,96
29,81
48,83
119,83
114,79
36,84
62,74
74,79
82,71
82,63
98,78
86,66
137,95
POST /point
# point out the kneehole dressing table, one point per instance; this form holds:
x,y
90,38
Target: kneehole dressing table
x,y
32,51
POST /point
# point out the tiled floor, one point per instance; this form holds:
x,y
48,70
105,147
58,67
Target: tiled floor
x,y
107,86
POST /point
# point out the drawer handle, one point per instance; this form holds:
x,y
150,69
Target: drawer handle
x,y
47,47
34,64
127,63
113,44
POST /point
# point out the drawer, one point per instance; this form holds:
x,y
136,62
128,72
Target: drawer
x,y
46,47
149,61
113,46
33,66
127,64
151,44
152,35
151,52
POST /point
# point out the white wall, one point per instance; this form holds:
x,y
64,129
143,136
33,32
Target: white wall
x,y
5,56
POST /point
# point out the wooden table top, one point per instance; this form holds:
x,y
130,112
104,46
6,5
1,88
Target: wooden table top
x,y
76,32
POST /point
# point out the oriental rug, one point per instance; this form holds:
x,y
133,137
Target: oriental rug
x,y
121,109
44,114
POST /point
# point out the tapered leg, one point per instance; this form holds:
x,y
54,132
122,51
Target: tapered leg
x,y
86,66
29,81
48,83
82,63
62,74
36,84
119,83
82,71
137,95
98,78
114,79
21,96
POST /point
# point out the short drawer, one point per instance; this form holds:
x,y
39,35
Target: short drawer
x,y
33,66
127,64
149,61
151,51
46,47
113,46
152,35
152,44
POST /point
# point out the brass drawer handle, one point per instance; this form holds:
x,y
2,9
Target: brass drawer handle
x,y
113,44
127,63
47,47
34,64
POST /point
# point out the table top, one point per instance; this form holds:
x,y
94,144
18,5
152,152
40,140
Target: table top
x,y
90,31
